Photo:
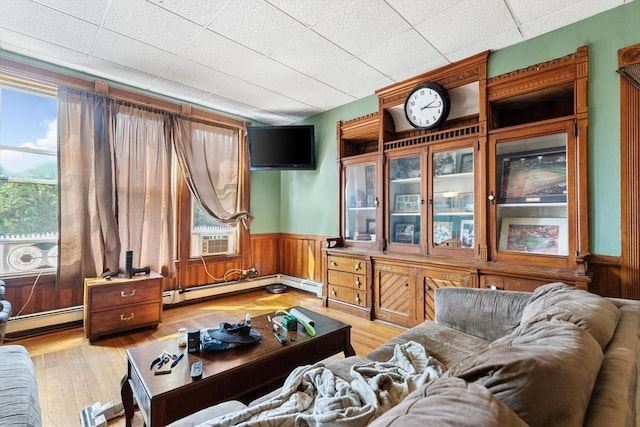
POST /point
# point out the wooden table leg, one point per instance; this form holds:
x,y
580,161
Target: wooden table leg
x,y
127,399
348,348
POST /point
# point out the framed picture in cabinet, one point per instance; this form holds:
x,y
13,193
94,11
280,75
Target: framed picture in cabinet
x,y
465,202
444,163
407,203
533,176
371,226
404,233
466,163
534,235
442,231
466,233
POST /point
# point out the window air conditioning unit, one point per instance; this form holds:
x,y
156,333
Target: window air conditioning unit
x,y
214,244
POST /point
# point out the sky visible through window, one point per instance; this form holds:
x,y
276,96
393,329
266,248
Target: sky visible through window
x,y
26,121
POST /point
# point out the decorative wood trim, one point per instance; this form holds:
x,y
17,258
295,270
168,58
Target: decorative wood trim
x,y
629,177
605,276
301,256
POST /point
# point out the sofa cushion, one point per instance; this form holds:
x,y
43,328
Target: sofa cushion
x,y
446,344
450,402
593,313
484,313
209,413
545,372
19,403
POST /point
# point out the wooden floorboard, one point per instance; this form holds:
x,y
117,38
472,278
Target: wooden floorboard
x,y
73,373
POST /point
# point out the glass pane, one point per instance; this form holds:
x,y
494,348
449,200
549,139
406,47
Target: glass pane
x,y
453,196
405,200
210,237
28,181
532,195
360,200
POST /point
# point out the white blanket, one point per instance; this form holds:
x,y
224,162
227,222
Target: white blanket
x,y
313,396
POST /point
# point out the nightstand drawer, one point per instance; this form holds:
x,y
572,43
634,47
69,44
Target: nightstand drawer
x,y
350,280
349,265
124,318
130,292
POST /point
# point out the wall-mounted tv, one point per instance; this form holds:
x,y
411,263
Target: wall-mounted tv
x,y
281,147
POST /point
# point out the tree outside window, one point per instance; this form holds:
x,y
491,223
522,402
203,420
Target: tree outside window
x,y
28,180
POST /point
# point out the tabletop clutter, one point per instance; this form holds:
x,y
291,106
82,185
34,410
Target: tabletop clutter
x,y
231,335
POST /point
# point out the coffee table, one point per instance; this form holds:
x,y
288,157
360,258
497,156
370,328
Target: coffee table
x,y
228,374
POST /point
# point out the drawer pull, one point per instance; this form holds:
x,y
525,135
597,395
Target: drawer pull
x,y
358,282
357,266
127,318
358,298
129,295
334,263
333,291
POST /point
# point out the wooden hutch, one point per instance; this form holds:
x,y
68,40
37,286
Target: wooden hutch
x,y
495,196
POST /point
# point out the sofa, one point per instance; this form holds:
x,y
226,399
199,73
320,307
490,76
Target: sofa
x,y
5,312
558,356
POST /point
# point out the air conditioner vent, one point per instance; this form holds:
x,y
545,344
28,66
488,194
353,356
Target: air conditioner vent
x,y
214,244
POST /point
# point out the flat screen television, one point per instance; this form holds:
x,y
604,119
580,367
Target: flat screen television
x,y
281,147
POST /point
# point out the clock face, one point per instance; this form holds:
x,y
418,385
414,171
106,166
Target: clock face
x,y
427,106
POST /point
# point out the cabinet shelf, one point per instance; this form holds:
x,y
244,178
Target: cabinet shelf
x,y
458,213
405,214
535,204
365,208
453,176
405,180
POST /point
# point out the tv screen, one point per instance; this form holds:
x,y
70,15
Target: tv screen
x,y
281,147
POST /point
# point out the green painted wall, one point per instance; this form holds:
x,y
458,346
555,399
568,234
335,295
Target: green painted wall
x,y
309,199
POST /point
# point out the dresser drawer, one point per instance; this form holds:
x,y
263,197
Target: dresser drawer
x,y
348,295
350,280
349,265
131,292
123,318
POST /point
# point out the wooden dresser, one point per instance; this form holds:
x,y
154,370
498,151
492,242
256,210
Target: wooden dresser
x,y
348,284
121,304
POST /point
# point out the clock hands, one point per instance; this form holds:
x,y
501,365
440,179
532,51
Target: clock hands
x,y
431,106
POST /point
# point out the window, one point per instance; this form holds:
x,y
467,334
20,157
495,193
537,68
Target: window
x,y
28,179
210,237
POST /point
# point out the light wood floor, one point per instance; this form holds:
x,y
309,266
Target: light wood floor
x,y
73,374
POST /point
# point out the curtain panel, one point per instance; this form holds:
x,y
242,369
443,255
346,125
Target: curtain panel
x,y
88,241
209,157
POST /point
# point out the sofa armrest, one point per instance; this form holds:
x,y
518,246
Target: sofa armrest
x,y
485,313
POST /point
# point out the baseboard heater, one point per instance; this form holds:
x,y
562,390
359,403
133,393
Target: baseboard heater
x,y
46,319
216,289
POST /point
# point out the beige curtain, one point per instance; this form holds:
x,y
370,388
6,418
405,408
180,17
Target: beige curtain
x,y
209,157
143,186
88,241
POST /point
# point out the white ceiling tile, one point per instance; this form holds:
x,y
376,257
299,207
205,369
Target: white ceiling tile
x,y
405,50
159,28
466,23
506,38
309,12
315,93
256,25
310,53
38,21
354,78
416,11
137,55
408,73
220,53
198,11
170,88
92,11
565,16
119,73
198,76
361,24
28,46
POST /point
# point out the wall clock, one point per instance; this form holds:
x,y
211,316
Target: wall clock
x,y
427,106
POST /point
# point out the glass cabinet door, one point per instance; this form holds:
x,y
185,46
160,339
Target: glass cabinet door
x,y
405,200
453,199
360,202
531,196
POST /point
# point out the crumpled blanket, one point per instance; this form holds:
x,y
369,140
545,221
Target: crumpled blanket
x,y
313,396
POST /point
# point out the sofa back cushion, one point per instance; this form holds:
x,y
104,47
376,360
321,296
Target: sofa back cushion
x,y
485,313
450,402
559,301
545,372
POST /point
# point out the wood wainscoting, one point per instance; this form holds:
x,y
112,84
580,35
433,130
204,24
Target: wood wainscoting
x,y
301,256
606,276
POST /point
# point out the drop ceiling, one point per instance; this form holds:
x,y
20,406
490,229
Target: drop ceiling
x,y
274,61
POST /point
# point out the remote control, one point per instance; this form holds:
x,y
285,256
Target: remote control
x,y
280,337
196,370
